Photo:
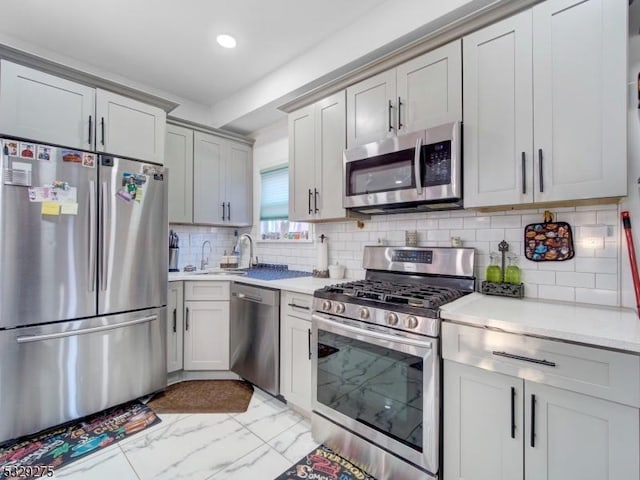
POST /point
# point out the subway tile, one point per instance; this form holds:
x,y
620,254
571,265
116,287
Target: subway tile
x,y
600,265
606,281
462,213
513,234
566,266
557,210
610,250
438,235
477,222
481,247
576,219
574,279
597,296
566,294
531,290
438,215
527,219
585,208
489,234
607,217
427,224
450,223
539,277
465,235
506,221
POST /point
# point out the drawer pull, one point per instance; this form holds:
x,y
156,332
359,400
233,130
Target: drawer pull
x,y
513,412
524,359
293,305
533,421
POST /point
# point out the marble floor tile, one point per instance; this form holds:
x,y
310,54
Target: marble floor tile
x,y
111,463
166,420
268,419
193,448
295,442
263,463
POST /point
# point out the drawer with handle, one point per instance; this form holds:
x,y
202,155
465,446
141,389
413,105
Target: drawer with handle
x,y
593,371
297,304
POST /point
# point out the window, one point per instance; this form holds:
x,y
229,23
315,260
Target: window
x,y
274,208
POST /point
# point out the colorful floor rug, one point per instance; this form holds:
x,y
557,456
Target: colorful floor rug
x,y
204,396
323,464
40,455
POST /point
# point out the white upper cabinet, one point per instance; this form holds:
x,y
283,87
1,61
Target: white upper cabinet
x,y
430,89
179,160
579,98
421,93
316,144
498,114
545,105
221,179
129,128
45,108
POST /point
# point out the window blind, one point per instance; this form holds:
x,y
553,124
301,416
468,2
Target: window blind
x,y
274,193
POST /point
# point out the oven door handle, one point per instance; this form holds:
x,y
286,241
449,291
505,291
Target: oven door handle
x,y
385,337
416,166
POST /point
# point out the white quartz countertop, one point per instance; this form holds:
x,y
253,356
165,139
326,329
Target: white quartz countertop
x,y
615,328
299,285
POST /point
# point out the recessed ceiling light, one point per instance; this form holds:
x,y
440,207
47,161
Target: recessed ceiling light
x,y
227,41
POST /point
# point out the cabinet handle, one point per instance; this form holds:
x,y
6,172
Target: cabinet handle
x,y
293,305
540,170
513,412
533,421
390,108
223,211
229,211
186,320
399,114
175,320
524,174
315,200
524,359
102,129
90,129
309,330
310,194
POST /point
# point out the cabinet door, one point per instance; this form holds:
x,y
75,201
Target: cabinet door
x,y
175,325
574,436
238,185
302,153
45,108
208,179
580,68
498,115
129,128
206,336
430,89
179,160
480,408
330,126
371,107
296,361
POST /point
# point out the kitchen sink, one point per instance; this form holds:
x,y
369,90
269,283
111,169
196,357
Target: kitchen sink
x,y
234,272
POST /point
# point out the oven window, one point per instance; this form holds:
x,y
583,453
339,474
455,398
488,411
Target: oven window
x,y
436,167
385,173
378,387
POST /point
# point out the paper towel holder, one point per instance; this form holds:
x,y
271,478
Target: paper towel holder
x,y
320,272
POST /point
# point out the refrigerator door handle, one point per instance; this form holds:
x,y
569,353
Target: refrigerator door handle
x,y
73,333
103,231
92,236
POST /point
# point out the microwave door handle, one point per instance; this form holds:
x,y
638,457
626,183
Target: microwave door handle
x,y
416,166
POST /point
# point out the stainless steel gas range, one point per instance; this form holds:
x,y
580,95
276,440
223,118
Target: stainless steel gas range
x,y
377,363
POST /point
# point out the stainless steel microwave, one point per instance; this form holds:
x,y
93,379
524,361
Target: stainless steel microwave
x,y
419,171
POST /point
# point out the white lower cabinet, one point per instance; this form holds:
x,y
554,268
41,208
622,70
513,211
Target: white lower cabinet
x,y
505,426
175,325
295,349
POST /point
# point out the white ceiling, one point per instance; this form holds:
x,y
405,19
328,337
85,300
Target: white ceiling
x,y
169,45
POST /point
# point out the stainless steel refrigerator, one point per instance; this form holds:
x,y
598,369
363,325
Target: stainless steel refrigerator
x,y
83,283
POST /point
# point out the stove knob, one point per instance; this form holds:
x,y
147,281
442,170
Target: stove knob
x,y
364,313
326,306
392,319
411,322
340,308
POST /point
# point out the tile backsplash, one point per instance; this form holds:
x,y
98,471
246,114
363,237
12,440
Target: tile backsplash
x,y
592,276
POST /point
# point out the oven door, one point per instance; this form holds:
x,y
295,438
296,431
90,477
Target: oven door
x,y
384,173
382,386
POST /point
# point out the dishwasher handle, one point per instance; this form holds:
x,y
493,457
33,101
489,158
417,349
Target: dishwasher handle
x,y
244,296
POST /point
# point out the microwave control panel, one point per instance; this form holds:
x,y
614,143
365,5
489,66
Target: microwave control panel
x,y
437,164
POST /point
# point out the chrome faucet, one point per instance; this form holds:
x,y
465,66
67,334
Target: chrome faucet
x,y
247,236
205,263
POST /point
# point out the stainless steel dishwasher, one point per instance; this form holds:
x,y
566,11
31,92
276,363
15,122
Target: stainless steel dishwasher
x,y
255,335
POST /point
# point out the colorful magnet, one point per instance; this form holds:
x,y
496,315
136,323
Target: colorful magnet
x,y
73,156
89,160
10,148
27,150
68,209
44,152
50,208
132,187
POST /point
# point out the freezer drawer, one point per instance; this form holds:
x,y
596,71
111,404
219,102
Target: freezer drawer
x,y
54,373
